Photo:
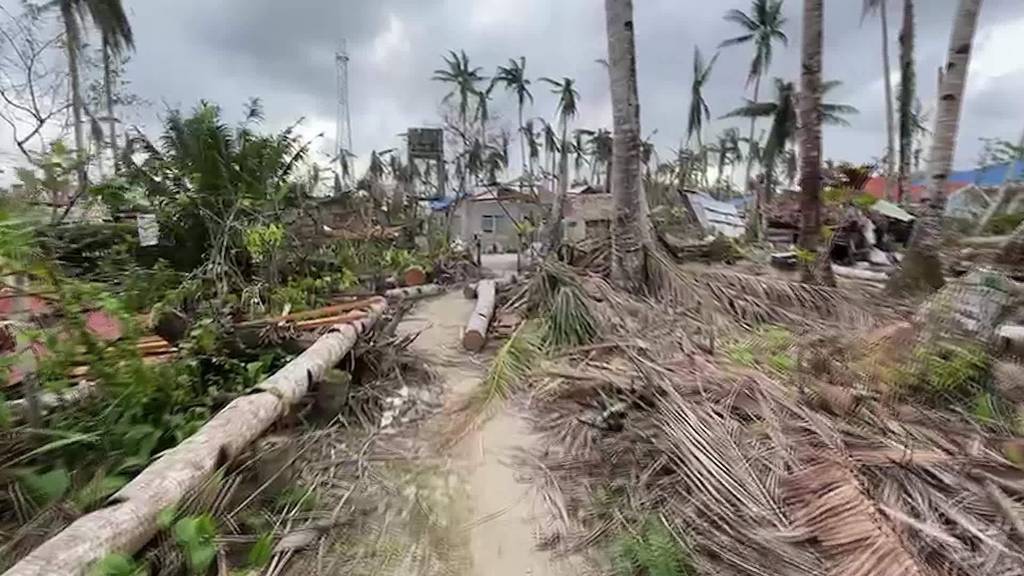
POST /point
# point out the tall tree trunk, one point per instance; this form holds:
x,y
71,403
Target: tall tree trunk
x,y
922,269
558,204
72,45
754,227
908,87
108,89
890,122
630,227
522,147
809,108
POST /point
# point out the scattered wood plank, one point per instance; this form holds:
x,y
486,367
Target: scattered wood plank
x,y
130,520
501,283
858,274
476,329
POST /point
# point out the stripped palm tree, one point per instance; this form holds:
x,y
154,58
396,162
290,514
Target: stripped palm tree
x,y
464,80
109,17
699,110
631,233
600,146
882,8
532,140
908,88
551,150
922,269
762,28
579,151
513,77
567,107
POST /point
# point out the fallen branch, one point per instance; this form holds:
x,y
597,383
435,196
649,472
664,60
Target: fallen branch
x,y
476,329
130,519
501,283
858,274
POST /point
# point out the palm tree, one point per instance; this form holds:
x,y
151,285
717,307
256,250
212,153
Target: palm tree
x,y
464,80
108,16
579,151
699,111
567,98
551,149
631,234
882,8
922,270
762,28
600,146
514,79
783,112
729,151
908,82
810,114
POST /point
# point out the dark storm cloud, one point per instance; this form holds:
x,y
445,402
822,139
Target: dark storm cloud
x,y
229,50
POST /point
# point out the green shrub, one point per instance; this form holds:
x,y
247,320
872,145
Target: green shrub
x,y
1004,224
652,551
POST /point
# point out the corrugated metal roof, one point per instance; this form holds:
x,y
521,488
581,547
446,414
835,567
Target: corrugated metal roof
x,y
715,216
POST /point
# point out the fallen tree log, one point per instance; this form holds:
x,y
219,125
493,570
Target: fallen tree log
x,y
414,292
129,520
476,329
501,283
858,274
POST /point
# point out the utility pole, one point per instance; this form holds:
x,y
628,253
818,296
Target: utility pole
x,y
343,126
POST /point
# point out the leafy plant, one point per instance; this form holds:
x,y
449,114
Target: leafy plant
x,y
118,565
946,372
653,551
196,535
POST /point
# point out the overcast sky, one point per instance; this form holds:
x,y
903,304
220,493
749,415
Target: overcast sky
x,y
283,52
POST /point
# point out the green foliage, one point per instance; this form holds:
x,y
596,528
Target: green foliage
x,y
769,348
653,551
44,488
97,490
947,372
557,296
118,565
263,240
196,535
261,552
1004,224
512,364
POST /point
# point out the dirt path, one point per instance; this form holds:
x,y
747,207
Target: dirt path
x,y
503,515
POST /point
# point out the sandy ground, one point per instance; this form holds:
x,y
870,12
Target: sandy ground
x,y
504,516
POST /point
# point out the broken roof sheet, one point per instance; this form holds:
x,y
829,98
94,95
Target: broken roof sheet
x,y
716,217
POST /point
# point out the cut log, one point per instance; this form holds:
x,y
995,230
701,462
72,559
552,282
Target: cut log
x,y
414,292
414,276
501,283
858,274
130,519
476,329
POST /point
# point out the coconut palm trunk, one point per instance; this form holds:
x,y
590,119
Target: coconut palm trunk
x,y
754,218
630,230
558,204
108,89
922,269
73,44
810,126
890,122
908,83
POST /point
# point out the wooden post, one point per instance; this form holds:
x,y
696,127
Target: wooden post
x,y
476,329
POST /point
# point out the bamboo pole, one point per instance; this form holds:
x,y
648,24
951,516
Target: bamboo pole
x,y
130,519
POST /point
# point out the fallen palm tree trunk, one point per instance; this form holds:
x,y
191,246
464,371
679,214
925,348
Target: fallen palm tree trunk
x,y
414,292
858,274
470,290
476,330
130,519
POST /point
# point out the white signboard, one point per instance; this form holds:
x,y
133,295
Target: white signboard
x,y
149,230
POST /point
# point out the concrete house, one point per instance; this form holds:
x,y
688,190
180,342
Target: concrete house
x,y
495,215
588,213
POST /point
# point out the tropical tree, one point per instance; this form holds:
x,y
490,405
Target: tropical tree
x,y
762,28
810,114
882,8
908,83
631,233
464,80
579,151
783,112
922,270
108,16
699,111
600,147
532,140
729,151
551,150
567,99
513,77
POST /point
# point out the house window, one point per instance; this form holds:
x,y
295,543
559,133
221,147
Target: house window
x,y
487,224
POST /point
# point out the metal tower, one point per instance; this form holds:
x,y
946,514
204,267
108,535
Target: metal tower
x,y
343,127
